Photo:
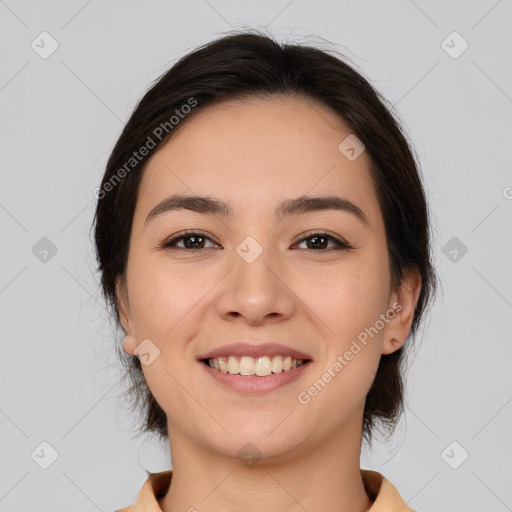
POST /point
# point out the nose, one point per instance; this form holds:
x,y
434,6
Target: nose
x,y
256,292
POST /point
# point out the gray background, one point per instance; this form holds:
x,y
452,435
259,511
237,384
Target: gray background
x,y
60,117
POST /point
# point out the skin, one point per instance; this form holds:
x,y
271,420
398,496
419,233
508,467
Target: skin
x,y
253,154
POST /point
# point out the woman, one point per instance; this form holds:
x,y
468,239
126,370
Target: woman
x,y
263,240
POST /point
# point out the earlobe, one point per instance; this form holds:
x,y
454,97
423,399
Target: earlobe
x,y
130,345
392,345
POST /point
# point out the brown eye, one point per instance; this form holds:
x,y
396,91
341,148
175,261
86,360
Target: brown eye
x,y
196,241
318,241
192,241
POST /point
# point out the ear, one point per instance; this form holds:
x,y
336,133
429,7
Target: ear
x,y
403,302
123,307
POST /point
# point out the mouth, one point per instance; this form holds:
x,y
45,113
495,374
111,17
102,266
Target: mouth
x,y
255,375
246,367
254,366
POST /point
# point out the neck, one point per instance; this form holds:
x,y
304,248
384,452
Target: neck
x,y
322,478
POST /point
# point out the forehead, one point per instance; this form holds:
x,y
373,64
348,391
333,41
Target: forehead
x,y
257,151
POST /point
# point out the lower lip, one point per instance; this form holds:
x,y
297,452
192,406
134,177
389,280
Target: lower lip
x,y
253,383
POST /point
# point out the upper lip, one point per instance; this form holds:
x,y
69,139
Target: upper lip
x,y
252,350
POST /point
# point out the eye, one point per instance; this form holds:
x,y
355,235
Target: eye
x,y
192,240
319,240
196,240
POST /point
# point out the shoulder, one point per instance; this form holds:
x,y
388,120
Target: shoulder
x,y
155,487
385,495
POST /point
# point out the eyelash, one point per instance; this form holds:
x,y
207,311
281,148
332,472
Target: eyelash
x,y
341,244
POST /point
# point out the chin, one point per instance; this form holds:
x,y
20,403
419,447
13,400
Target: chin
x,y
251,442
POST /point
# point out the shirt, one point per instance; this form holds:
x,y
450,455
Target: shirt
x,y
378,488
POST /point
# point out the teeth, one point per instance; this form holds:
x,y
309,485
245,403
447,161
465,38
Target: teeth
x,y
233,365
260,366
264,366
277,364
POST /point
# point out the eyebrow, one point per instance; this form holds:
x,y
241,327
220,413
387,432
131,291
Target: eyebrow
x,y
300,205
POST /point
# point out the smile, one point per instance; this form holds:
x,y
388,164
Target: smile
x,y
249,366
247,380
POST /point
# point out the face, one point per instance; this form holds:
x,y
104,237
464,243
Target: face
x,y
250,276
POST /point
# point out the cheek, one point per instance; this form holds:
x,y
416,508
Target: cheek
x,y
349,302
165,302
348,298
166,383
162,296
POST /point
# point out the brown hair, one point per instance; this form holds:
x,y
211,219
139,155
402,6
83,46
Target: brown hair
x,y
251,64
